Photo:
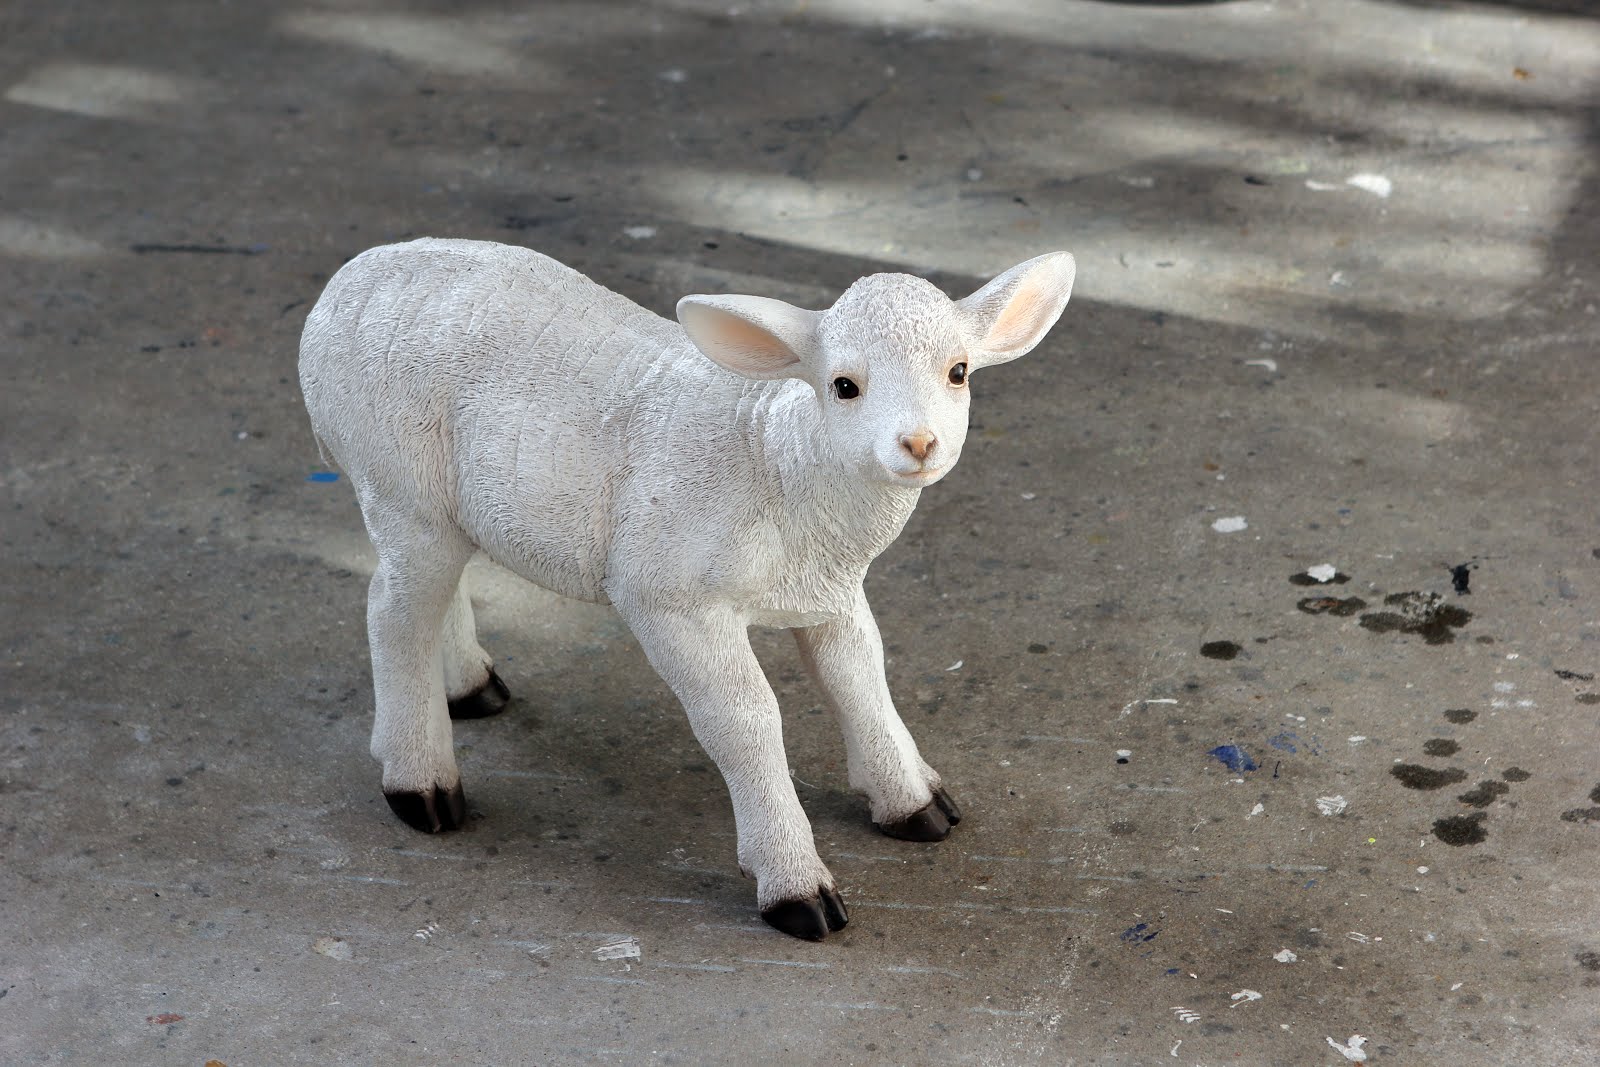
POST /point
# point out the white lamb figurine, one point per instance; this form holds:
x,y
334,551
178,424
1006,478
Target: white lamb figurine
x,y
742,468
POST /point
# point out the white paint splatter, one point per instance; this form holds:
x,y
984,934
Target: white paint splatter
x,y
1351,1051
1244,996
1284,955
335,948
1356,739
1323,572
626,949
1422,870
1457,986
1360,938
1231,524
1186,1016
1334,805
1124,753
957,665
1030,496
427,932
974,174
1174,1052
675,75
1321,187
1505,687
1257,810
1130,705
1271,365
1376,184
639,233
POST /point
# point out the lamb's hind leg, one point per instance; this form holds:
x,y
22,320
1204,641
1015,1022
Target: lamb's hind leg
x,y
471,686
418,570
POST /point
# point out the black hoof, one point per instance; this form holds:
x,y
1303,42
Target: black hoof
x,y
431,811
932,823
491,698
947,805
809,919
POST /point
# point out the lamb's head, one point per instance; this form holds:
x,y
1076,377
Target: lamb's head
x,y
889,362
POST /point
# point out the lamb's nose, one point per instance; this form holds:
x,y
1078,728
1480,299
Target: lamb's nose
x,y
919,444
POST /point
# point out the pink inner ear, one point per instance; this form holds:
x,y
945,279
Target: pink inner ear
x,y
752,343
737,344
1020,321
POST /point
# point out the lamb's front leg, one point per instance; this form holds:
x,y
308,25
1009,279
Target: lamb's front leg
x,y
707,661
846,658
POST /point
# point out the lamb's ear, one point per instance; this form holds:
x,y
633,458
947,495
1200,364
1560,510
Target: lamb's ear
x,y
751,336
1011,314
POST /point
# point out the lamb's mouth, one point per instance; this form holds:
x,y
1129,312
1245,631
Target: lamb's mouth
x,y
919,478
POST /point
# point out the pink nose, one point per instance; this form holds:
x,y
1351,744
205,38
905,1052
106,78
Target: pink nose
x,y
919,444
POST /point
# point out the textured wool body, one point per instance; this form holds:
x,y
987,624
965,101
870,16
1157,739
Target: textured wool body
x,y
701,477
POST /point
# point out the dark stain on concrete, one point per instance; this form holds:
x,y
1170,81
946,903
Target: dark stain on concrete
x,y
1584,814
1461,578
1515,774
1220,649
1339,578
1484,793
1589,961
1574,676
1461,829
1440,746
1425,614
1460,715
1331,605
1416,776
1589,698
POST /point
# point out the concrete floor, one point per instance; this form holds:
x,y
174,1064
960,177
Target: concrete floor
x,y
1336,276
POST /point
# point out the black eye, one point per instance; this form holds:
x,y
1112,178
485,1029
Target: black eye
x,y
958,374
845,389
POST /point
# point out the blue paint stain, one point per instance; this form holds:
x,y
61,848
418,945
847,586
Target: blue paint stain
x,y
1138,935
1284,742
322,476
1172,970
1234,758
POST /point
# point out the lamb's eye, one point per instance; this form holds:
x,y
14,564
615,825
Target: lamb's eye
x,y
846,389
958,374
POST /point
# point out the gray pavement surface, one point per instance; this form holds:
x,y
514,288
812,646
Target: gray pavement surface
x,y
1336,280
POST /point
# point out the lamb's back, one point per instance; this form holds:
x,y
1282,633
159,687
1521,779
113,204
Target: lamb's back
x,y
496,387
